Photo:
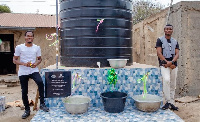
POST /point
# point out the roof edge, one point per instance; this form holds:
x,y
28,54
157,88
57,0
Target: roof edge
x,y
17,28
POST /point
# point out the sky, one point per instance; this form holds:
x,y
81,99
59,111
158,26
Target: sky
x,y
49,6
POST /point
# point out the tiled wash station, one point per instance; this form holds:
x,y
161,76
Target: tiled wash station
x,y
2,103
95,82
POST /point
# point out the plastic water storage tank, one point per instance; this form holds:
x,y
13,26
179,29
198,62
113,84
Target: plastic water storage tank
x,y
82,45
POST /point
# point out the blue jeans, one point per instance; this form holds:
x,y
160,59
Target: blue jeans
x,y
24,86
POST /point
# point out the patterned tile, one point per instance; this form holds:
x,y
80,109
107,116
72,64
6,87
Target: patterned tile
x,y
95,114
94,83
2,103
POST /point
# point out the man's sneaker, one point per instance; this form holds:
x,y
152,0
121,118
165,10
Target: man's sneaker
x,y
173,107
44,108
166,106
26,114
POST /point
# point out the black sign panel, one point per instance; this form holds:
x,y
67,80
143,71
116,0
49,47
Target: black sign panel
x,y
57,84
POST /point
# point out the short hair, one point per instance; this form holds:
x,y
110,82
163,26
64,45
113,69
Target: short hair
x,y
29,31
168,25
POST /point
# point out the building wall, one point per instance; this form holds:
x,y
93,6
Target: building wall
x,y
48,52
185,18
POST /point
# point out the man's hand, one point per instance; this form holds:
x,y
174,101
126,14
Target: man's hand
x,y
172,66
33,65
28,64
169,63
165,65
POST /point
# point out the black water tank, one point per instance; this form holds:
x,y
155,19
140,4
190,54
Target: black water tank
x,y
81,45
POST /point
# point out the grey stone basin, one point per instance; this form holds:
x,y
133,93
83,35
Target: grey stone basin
x,y
148,104
117,63
76,104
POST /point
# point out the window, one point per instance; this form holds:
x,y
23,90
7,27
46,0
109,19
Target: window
x,y
5,46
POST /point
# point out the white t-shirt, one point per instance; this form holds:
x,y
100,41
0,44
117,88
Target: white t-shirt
x,y
27,54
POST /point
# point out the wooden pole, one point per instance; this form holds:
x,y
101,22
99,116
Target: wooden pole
x,y
36,101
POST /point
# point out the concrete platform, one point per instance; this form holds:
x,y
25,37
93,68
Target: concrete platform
x,y
95,114
95,82
9,80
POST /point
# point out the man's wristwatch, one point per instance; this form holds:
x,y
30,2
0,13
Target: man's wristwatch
x,y
173,62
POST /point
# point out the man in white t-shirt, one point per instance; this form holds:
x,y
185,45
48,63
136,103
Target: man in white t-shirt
x,y
30,57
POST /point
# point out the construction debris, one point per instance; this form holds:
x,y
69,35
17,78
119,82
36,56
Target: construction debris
x,y
9,80
19,103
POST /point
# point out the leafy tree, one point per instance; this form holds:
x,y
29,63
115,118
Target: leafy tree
x,y
4,9
143,9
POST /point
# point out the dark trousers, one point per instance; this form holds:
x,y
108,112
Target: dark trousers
x,y
24,86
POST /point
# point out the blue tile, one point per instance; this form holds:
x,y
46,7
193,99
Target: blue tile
x,y
95,82
98,114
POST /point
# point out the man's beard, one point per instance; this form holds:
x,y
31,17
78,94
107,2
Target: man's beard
x,y
29,42
167,34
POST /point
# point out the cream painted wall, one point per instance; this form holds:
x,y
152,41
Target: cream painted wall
x,y
48,53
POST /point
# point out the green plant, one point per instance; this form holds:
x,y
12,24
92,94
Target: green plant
x,y
144,80
112,78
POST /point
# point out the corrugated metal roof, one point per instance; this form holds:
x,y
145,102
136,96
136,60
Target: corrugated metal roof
x,y
27,20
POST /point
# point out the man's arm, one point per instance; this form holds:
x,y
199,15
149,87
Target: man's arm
x,y
16,61
175,58
16,57
38,61
160,55
176,55
159,50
